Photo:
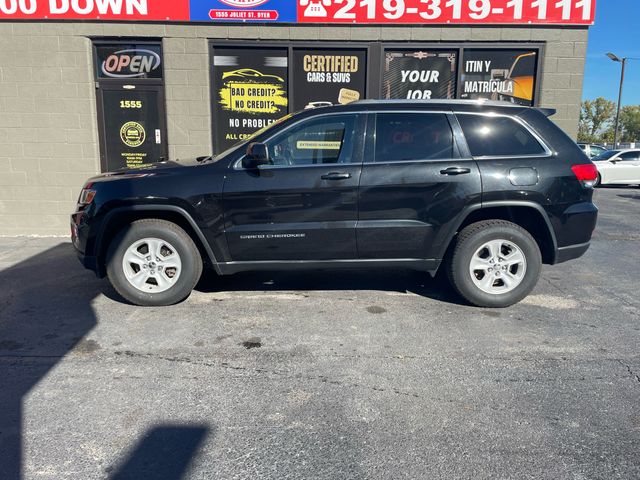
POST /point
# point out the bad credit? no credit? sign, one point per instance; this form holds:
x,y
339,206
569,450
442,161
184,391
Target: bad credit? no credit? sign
x,y
515,12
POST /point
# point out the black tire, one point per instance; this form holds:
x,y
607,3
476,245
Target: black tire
x,y
189,255
598,181
470,240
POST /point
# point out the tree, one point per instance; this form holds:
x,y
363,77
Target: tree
x,y
584,131
594,115
607,136
630,121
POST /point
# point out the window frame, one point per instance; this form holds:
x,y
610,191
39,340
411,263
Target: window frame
x,y
547,151
634,159
359,119
372,137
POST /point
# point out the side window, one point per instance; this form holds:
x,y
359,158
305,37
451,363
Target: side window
x,y
322,140
629,156
413,136
597,150
494,136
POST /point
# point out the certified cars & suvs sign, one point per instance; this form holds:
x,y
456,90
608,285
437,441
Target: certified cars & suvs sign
x,y
525,12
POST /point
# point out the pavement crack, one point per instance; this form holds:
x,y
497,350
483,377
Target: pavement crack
x,y
558,288
277,373
632,374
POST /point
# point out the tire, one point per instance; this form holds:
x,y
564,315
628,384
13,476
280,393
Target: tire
x,y
598,181
176,268
512,281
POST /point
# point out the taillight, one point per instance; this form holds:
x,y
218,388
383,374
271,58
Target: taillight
x,y
86,195
587,174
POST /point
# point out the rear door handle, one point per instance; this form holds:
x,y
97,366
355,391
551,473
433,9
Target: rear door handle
x,y
336,176
455,171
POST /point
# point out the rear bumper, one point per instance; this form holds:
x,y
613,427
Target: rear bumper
x,y
564,254
574,228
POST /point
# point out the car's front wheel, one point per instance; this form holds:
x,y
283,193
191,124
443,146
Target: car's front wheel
x,y
495,263
153,262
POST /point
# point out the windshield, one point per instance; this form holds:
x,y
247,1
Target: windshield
x,y
251,137
606,155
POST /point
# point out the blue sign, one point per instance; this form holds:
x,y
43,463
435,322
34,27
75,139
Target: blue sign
x,y
244,10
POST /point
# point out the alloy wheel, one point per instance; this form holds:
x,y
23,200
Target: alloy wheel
x,y
498,266
152,265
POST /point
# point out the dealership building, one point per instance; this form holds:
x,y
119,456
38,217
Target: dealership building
x,y
88,86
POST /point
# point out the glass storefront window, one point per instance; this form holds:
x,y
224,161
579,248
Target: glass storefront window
x,y
498,74
419,74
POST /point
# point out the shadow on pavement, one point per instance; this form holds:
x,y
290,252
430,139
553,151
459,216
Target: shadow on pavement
x,y
45,311
164,453
632,197
390,280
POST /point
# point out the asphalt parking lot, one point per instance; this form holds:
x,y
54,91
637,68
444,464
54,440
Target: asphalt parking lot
x,y
323,375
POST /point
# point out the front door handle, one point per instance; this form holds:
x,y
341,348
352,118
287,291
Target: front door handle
x,y
455,171
336,176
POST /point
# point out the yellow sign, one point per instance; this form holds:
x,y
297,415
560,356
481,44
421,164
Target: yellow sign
x,y
347,95
253,97
132,134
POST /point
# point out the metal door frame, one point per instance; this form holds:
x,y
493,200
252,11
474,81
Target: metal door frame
x,y
102,133
114,84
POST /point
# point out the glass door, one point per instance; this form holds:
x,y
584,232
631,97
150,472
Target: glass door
x,y
133,127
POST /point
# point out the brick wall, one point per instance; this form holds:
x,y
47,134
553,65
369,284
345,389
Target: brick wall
x,y
48,124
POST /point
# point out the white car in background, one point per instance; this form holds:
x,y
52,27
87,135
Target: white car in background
x,y
592,150
618,167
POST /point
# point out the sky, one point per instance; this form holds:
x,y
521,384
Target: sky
x,y
617,30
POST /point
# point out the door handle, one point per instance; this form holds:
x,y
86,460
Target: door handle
x,y
455,171
336,176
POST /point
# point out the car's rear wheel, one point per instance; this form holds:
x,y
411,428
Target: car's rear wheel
x,y
495,263
153,262
598,181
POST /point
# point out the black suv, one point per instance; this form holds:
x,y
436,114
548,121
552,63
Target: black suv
x,y
487,190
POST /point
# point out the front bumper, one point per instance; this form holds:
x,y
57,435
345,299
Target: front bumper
x,y
89,262
79,235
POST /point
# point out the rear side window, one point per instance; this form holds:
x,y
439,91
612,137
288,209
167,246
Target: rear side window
x,y
606,155
630,156
413,136
492,136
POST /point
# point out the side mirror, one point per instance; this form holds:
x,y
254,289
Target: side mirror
x,y
257,154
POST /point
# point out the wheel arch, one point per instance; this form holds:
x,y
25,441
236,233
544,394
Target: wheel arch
x,y
604,172
115,220
528,215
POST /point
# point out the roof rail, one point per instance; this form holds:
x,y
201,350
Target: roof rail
x,y
547,112
496,103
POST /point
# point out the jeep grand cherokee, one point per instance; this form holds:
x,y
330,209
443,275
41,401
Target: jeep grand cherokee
x,y
488,191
